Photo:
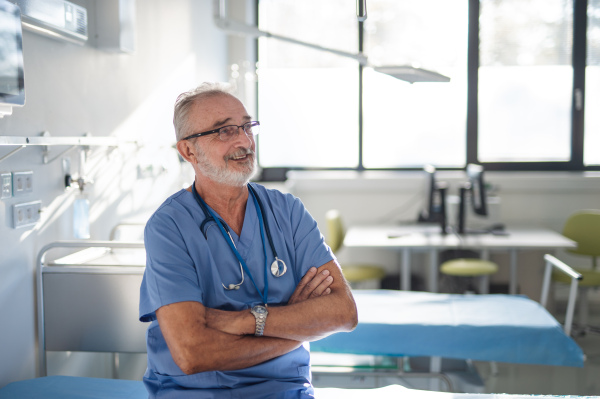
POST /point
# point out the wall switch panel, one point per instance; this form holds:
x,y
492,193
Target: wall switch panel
x,y
22,183
26,214
5,185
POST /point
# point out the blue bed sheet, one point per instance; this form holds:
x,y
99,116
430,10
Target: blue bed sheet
x,y
501,328
63,387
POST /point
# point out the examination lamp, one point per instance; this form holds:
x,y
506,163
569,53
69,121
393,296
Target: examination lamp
x,y
406,73
412,74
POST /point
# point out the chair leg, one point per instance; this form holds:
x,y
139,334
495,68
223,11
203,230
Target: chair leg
x,y
484,284
583,308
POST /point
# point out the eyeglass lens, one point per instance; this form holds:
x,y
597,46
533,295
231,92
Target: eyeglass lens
x,y
228,132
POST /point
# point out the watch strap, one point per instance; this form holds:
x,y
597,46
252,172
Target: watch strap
x,y
260,314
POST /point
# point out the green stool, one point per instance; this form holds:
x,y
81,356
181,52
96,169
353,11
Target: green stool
x,y
470,267
355,274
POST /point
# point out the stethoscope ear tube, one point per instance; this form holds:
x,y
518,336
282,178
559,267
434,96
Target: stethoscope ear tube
x,y
278,267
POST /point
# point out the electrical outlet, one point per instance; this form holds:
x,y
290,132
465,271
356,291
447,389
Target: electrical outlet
x,y
22,183
26,214
6,185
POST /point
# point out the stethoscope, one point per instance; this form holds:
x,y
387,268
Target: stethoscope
x,y
278,267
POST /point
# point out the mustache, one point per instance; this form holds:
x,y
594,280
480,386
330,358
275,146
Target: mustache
x,y
242,152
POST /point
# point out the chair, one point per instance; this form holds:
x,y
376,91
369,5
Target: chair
x,y
583,227
355,274
470,267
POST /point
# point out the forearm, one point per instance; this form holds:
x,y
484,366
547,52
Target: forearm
x,y
312,319
196,347
222,351
308,319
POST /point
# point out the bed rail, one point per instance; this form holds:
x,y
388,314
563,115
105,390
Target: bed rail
x,y
107,275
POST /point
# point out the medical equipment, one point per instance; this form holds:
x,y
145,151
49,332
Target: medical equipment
x,y
12,89
88,301
230,286
278,267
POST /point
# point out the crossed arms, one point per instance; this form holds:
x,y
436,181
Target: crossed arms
x,y
204,339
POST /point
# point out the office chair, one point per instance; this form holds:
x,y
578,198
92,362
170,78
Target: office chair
x,y
583,227
354,273
472,268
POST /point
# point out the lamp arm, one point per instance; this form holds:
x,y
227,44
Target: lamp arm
x,y
239,28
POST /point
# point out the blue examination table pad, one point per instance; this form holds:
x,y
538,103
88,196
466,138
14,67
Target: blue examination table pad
x,y
501,328
60,387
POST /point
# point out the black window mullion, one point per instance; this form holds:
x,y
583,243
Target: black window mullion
x,y
579,62
472,81
360,96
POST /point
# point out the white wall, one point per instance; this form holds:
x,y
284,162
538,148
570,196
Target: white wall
x,y
74,89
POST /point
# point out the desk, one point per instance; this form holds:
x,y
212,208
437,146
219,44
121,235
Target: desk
x,y
409,238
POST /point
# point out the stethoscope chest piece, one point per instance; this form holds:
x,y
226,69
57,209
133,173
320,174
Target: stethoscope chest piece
x,y
278,267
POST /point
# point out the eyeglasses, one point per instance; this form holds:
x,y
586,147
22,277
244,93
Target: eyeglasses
x,y
226,133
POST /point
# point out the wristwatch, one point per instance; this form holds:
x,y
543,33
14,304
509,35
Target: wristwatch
x,y
260,313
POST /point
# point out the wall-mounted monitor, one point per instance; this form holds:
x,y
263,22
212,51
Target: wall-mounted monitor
x,y
12,81
475,187
435,209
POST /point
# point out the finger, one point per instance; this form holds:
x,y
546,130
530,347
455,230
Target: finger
x,y
310,274
312,285
321,288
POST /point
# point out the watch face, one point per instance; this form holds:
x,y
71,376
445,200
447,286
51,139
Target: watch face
x,y
260,310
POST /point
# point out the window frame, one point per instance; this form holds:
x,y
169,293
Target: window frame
x,y
576,162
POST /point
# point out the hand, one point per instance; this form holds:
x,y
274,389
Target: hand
x,y
313,284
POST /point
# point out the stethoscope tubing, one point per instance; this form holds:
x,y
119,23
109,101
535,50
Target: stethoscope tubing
x,y
264,228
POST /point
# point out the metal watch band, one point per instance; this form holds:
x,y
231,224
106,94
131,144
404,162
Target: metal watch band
x,y
260,314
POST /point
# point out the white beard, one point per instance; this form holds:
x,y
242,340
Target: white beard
x,y
223,175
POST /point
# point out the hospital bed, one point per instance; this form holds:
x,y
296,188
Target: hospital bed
x,y
446,328
88,301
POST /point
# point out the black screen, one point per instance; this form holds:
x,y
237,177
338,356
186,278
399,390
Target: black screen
x,y
478,194
12,83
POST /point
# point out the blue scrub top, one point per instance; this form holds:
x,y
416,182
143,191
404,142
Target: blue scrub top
x,y
183,265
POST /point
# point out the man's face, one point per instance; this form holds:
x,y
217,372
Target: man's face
x,y
233,162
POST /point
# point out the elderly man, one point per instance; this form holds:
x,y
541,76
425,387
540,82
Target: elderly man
x,y
238,277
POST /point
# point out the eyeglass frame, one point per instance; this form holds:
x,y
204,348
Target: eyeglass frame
x,y
251,123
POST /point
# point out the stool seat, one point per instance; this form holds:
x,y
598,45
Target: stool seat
x,y
468,267
361,272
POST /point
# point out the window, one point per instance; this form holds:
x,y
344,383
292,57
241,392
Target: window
x,y
592,86
525,80
308,99
510,104
408,125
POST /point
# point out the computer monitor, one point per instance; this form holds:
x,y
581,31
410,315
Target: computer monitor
x,y
435,209
12,82
475,189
